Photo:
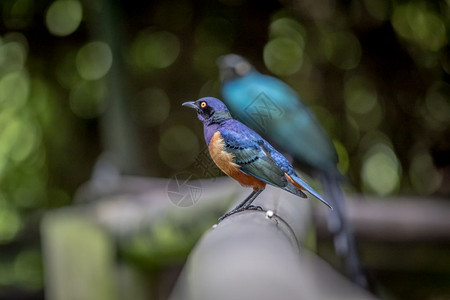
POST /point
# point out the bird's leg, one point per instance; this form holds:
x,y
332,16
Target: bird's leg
x,y
243,205
238,207
251,199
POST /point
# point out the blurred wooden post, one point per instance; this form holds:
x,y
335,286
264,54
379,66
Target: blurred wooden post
x,y
249,256
79,258
396,219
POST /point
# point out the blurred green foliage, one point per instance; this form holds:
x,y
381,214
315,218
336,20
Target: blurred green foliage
x,y
167,243
376,73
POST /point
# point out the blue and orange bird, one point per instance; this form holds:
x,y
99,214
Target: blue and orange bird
x,y
244,155
269,105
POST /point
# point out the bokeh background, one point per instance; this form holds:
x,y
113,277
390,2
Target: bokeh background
x,y
78,78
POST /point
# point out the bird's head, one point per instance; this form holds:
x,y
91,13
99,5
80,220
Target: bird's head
x,y
209,110
233,66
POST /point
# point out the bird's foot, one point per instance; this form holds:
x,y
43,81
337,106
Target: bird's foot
x,y
232,212
255,207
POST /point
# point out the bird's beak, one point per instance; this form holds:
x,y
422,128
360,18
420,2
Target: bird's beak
x,y
221,61
226,70
229,61
190,104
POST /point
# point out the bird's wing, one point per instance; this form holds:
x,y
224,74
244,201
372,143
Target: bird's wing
x,y
252,157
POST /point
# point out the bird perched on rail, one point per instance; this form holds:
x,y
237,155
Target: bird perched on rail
x,y
244,155
269,105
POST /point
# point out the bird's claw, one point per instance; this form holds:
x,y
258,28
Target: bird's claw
x,y
255,207
251,207
230,213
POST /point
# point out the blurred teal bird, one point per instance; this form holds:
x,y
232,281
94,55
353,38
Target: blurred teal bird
x,y
271,107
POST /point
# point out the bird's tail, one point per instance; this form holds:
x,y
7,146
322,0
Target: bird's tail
x,y
344,241
302,185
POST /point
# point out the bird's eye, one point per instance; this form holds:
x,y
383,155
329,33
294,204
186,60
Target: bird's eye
x,y
203,104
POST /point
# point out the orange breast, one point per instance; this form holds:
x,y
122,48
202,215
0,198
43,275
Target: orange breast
x,y
225,161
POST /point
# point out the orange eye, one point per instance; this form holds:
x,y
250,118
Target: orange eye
x,y
203,104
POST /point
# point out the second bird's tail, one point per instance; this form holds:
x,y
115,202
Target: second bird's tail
x,y
344,241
